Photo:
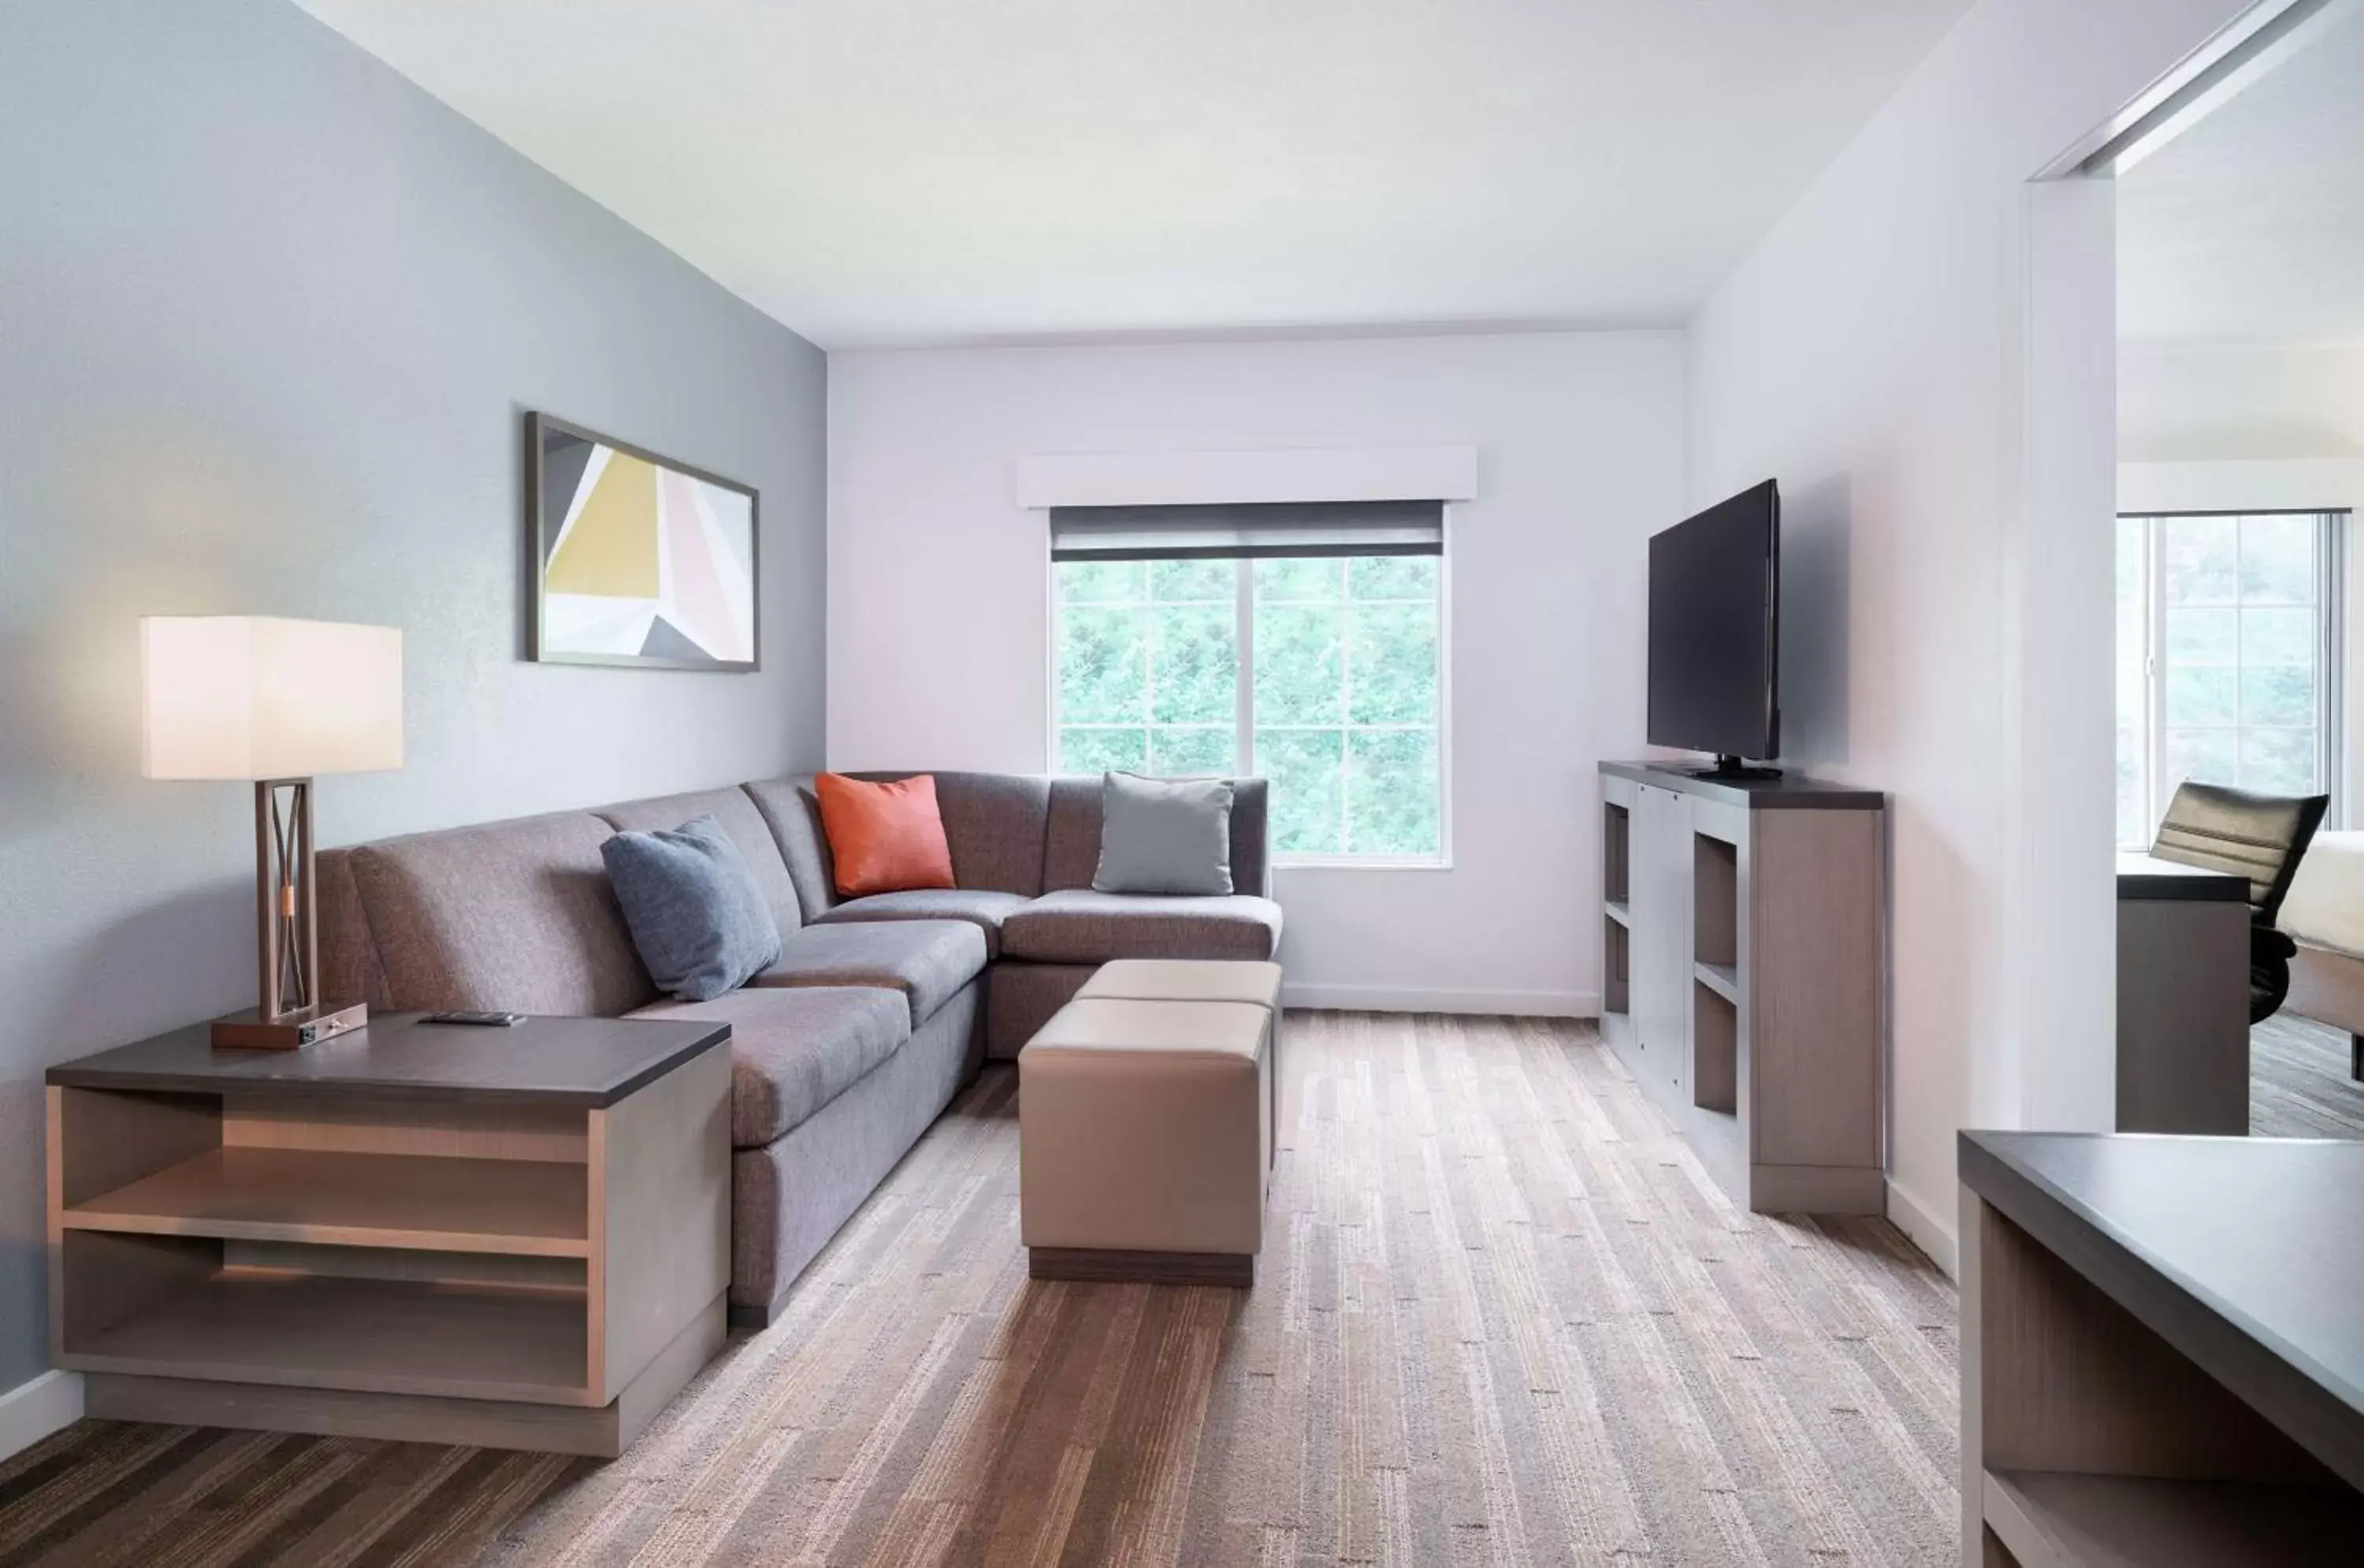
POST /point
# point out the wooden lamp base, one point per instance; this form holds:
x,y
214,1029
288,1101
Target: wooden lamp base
x,y
249,1031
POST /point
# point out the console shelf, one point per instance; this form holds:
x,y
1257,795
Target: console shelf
x,y
534,1208
378,1336
2073,1521
1741,955
1724,979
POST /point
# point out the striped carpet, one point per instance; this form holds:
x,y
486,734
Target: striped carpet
x,y
2299,1086
1502,1317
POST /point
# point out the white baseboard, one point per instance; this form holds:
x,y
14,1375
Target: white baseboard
x,y
1927,1232
31,1411
1424,999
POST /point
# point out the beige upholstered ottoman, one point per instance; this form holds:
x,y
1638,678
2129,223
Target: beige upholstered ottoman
x,y
1200,980
1145,1139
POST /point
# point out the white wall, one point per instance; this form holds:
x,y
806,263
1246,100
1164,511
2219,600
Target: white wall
x,y
269,318
939,601
2237,403
1887,354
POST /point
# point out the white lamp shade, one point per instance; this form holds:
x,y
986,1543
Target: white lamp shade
x,y
255,697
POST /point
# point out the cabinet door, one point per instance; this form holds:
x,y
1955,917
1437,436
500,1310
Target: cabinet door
x,y
1661,963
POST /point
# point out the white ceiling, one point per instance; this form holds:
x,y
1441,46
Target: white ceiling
x,y
877,171
2249,227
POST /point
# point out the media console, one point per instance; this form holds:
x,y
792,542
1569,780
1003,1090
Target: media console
x,y
1745,952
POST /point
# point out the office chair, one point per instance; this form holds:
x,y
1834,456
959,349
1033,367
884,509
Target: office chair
x,y
2260,836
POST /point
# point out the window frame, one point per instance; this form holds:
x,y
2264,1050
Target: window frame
x,y
1244,707
2331,546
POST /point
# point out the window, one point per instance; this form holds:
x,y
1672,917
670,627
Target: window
x,y
2226,670
1324,673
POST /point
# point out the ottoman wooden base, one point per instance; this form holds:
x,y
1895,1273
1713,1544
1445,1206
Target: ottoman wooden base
x,y
1110,1266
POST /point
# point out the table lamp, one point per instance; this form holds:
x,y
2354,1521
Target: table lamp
x,y
274,703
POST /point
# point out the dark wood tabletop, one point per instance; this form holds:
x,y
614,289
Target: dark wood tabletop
x,y
2245,1253
2148,878
590,1063
1793,791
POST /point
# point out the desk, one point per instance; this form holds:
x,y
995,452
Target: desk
x,y
2162,1357
2183,998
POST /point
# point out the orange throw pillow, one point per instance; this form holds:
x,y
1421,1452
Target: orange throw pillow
x,y
884,838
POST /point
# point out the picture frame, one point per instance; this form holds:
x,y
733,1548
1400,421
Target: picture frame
x,y
638,561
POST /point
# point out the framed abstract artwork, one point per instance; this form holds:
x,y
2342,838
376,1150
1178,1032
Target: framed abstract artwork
x,y
637,560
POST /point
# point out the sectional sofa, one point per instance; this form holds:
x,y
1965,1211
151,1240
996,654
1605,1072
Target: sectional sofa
x,y
878,1010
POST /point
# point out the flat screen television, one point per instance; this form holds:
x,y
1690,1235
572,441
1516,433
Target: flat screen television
x,y
1715,633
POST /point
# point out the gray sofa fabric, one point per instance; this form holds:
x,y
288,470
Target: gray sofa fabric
x,y
1020,998
737,812
792,811
511,915
928,961
350,971
1079,925
790,1197
982,906
796,1049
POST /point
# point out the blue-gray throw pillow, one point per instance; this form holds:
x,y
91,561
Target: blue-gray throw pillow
x,y
701,924
1163,835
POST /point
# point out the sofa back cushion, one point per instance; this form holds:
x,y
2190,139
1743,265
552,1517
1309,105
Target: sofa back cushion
x,y
792,811
1071,842
349,966
994,824
515,914
739,818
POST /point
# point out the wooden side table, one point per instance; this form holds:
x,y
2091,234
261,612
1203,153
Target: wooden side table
x,y
513,1238
2162,1359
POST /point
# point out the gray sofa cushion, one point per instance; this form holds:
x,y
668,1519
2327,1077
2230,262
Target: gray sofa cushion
x,y
1079,925
737,813
982,908
699,921
515,914
928,961
1165,836
794,1051
1071,839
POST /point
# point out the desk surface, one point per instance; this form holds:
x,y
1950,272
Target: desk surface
x,y
589,1062
2265,1234
2143,876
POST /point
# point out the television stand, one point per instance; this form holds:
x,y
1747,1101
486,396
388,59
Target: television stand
x,y
1734,769
1744,940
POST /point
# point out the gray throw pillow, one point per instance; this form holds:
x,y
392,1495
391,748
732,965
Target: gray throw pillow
x,y
1163,835
696,914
